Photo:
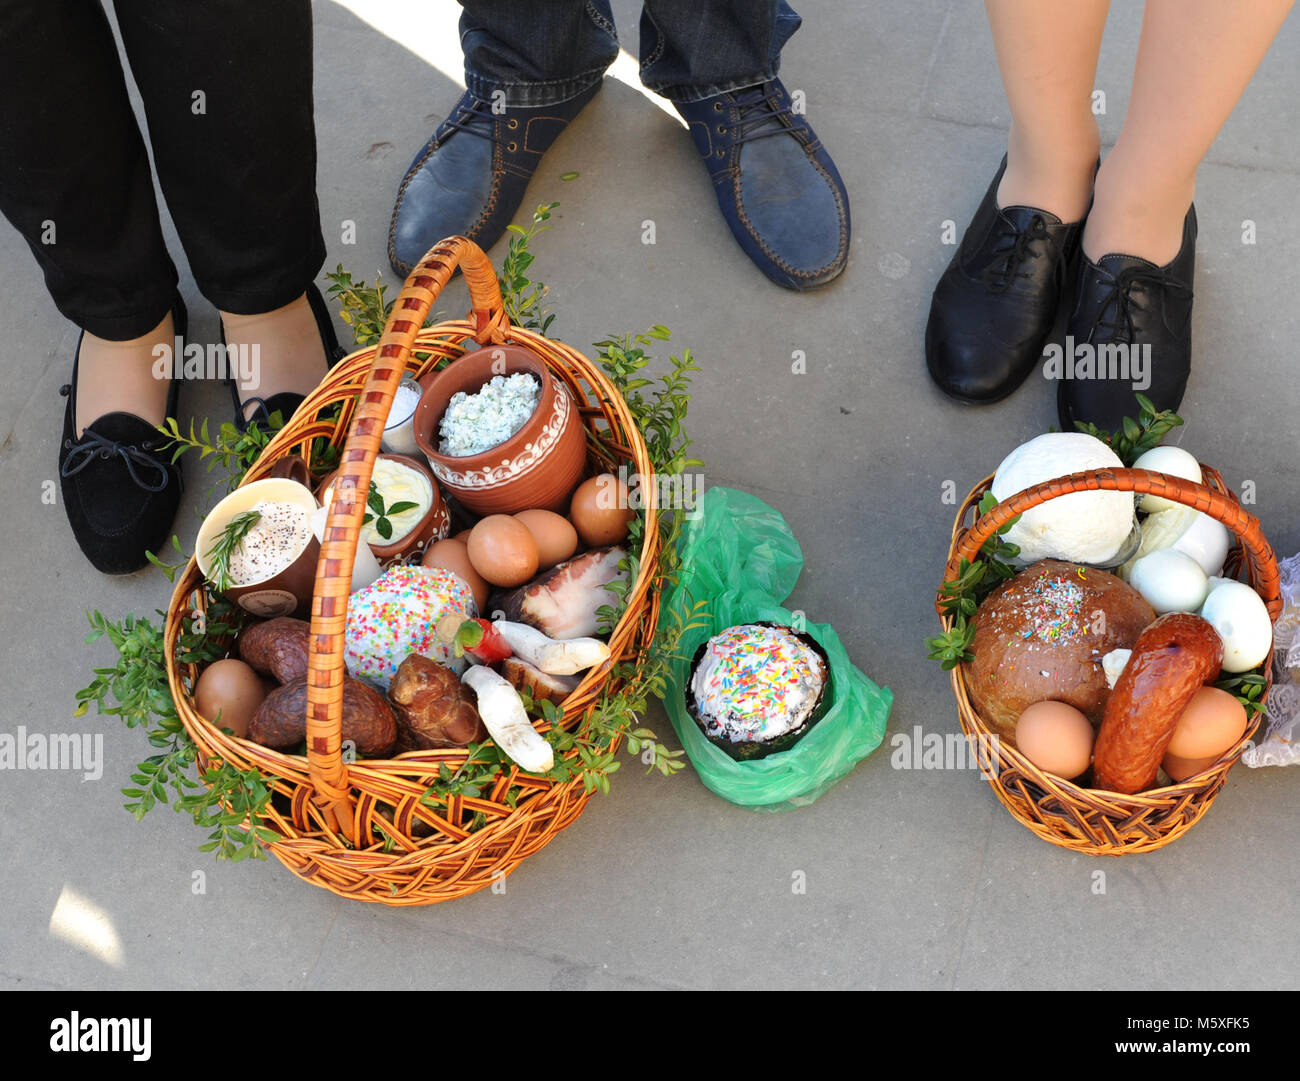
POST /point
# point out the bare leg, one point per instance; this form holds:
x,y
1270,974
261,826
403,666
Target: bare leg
x,y
119,376
1195,59
292,357
1047,55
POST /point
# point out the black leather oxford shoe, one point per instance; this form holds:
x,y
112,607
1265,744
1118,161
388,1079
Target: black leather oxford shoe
x,y
1137,317
995,305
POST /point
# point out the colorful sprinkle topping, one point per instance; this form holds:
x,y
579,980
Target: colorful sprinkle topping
x,y
755,683
1053,607
396,615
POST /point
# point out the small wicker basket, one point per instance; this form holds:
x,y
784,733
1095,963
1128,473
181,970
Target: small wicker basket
x,y
360,829
1086,819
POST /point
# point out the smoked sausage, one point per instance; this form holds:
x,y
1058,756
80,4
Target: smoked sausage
x,y
1172,659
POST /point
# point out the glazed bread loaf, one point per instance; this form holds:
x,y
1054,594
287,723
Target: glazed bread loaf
x,y
1172,660
1042,635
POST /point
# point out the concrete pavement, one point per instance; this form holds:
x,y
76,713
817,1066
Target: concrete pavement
x,y
915,879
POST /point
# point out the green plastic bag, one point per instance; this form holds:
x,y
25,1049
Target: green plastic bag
x,y
740,558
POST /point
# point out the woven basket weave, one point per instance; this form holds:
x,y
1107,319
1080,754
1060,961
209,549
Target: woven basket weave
x,y
359,828
1085,819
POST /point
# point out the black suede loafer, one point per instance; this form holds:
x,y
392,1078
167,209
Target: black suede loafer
x,y
120,486
286,402
996,303
470,177
1132,320
775,183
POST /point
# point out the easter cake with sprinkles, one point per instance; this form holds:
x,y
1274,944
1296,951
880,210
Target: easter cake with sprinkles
x,y
757,688
1042,636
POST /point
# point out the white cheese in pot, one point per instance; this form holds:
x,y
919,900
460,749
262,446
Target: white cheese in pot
x,y
398,483
477,422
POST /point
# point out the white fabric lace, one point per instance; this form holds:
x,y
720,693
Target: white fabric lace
x,y
1281,743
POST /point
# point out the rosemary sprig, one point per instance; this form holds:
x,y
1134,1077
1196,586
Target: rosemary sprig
x,y
230,538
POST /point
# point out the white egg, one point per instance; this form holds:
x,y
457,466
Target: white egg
x,y
1207,541
1237,613
1203,538
1170,581
1174,461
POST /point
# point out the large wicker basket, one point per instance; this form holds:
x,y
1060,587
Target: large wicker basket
x,y
360,828
1085,819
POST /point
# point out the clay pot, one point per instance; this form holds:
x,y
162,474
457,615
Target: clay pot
x,y
433,526
292,467
538,466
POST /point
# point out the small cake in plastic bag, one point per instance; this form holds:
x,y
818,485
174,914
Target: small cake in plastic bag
x,y
395,616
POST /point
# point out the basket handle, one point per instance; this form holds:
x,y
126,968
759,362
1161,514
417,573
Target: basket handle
x,y
325,668
1207,500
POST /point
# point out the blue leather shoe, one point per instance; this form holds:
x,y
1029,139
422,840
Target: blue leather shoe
x,y
470,177
776,184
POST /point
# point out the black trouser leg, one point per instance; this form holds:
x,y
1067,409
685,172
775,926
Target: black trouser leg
x,y
227,87
228,99
74,175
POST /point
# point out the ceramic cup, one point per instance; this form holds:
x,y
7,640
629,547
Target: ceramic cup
x,y
434,526
288,592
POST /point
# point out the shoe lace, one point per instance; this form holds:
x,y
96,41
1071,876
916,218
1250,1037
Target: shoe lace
x,y
262,408
1124,303
999,275
92,445
760,114
476,118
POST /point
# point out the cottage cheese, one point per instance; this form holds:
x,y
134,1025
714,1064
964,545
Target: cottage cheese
x,y
477,422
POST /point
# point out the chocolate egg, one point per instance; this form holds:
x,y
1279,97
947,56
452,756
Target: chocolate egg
x,y
503,551
228,694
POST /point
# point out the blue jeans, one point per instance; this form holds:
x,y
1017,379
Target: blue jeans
x,y
547,51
